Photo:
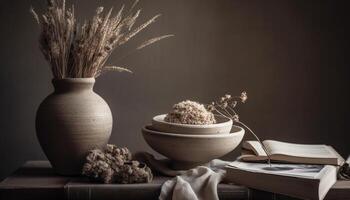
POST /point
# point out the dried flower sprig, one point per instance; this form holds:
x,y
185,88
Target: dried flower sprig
x,y
76,51
225,107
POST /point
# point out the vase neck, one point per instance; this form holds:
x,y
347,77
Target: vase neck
x,y
73,84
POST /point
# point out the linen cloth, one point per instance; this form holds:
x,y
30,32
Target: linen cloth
x,y
199,183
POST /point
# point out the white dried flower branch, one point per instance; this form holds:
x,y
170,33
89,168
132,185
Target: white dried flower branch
x,y
153,40
226,108
115,68
119,69
82,51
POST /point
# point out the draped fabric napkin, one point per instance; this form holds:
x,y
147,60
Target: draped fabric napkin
x,y
199,183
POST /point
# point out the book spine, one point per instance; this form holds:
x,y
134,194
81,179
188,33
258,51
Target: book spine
x,y
274,184
97,192
259,194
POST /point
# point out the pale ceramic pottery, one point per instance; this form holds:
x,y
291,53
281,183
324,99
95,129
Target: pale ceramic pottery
x,y
187,151
71,121
223,126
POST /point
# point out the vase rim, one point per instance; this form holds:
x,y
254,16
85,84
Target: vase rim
x,y
74,80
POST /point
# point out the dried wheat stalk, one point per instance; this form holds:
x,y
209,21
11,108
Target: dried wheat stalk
x,y
76,51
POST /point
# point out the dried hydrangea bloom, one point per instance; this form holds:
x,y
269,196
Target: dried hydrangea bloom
x,y
123,153
134,172
190,112
98,170
114,165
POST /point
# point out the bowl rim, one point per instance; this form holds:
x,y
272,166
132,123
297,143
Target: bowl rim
x,y
160,119
231,134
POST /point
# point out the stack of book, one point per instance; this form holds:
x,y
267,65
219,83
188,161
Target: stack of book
x,y
297,170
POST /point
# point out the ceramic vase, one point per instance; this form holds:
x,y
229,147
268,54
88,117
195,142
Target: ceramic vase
x,y
70,122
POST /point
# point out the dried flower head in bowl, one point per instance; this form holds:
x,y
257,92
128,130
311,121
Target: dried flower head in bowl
x,y
114,165
82,51
189,117
190,112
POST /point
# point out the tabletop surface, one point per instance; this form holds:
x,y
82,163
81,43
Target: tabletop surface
x,y
36,179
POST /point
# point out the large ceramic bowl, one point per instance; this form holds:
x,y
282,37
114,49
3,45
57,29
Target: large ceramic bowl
x,y
223,126
187,151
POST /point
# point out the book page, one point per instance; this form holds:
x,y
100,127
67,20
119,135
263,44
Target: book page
x,y
293,170
299,150
255,146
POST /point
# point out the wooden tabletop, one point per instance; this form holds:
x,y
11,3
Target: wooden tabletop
x,y
37,180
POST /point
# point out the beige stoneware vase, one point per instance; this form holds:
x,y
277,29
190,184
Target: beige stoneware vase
x,y
71,121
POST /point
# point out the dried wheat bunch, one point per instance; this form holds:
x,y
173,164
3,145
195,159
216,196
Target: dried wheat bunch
x,y
80,51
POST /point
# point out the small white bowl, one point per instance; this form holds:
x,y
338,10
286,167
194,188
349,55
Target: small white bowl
x,y
188,151
223,126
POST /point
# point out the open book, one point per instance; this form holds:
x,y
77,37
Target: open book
x,y
290,153
296,180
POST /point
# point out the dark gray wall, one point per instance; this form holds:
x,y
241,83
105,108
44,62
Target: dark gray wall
x,y
288,55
